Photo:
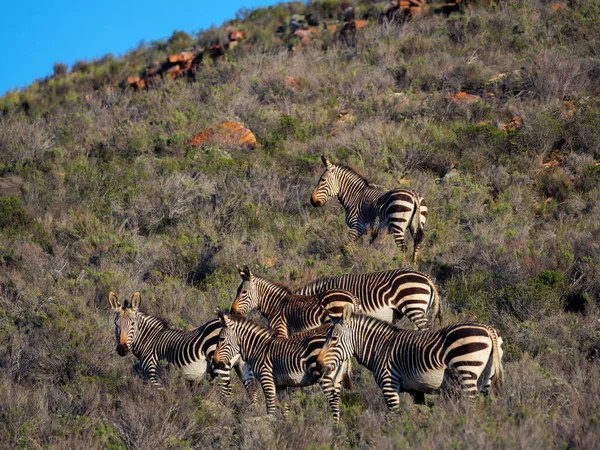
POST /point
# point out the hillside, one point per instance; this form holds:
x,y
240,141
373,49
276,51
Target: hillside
x,y
491,110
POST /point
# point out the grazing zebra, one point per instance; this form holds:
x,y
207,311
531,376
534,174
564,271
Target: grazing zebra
x,y
415,361
369,207
387,295
278,363
150,339
286,312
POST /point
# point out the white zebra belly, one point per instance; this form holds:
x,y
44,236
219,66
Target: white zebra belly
x,y
194,371
294,379
385,314
426,382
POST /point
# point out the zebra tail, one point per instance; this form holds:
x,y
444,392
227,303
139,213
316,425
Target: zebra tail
x,y
437,306
498,381
417,215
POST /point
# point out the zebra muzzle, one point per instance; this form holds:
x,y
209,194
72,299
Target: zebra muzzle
x,y
122,350
315,202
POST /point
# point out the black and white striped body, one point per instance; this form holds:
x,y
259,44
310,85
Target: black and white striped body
x,y
416,361
287,313
387,295
151,340
278,363
368,207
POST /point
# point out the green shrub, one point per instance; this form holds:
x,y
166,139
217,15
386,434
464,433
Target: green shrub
x,y
13,217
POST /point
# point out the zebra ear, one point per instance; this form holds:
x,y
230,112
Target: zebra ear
x,y
224,318
347,312
325,160
135,301
245,273
114,301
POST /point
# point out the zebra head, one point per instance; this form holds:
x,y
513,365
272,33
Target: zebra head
x,y
228,349
328,186
124,321
247,296
338,346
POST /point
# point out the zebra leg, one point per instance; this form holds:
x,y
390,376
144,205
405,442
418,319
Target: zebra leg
x,y
151,369
224,381
249,382
398,233
485,380
468,380
418,397
418,236
356,231
375,230
268,386
331,389
374,235
390,390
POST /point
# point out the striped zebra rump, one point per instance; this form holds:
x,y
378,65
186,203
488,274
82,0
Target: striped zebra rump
x,y
388,295
402,210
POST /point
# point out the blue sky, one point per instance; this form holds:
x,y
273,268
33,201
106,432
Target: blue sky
x,y
36,34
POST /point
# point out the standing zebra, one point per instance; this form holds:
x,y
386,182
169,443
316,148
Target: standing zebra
x,y
387,295
286,312
369,207
278,363
415,361
150,339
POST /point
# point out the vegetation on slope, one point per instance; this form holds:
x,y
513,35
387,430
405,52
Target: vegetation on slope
x,y
100,190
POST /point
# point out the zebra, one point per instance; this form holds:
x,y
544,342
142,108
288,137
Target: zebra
x,y
415,361
150,339
287,313
387,295
278,363
369,207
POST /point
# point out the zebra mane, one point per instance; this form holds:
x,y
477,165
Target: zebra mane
x,y
273,283
252,325
356,174
157,321
380,324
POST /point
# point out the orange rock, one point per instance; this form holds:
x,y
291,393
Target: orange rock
x,y
230,133
462,98
358,24
136,82
236,35
181,57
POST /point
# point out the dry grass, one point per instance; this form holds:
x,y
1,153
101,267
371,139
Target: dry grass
x,y
100,191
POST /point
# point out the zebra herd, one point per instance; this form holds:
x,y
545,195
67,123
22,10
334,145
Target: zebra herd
x,y
315,331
